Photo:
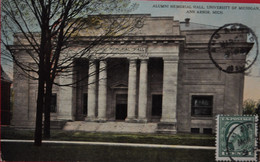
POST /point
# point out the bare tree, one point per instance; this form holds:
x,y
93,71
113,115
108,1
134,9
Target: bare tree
x,y
46,30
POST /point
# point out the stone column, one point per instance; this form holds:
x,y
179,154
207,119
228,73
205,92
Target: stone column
x,y
142,106
102,91
168,121
91,90
170,74
131,100
65,98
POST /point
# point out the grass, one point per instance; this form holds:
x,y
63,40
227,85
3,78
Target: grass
x,y
63,152
68,152
178,139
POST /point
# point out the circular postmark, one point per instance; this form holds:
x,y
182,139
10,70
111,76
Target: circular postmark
x,y
240,139
233,48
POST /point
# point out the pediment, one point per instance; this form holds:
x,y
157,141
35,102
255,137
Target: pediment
x,y
120,85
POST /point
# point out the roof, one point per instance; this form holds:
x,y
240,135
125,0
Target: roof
x,y
4,76
195,26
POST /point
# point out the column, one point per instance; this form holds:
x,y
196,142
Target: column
x,y
91,90
131,100
169,90
142,105
102,91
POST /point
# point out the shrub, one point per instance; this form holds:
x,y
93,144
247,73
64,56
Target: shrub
x,y
251,106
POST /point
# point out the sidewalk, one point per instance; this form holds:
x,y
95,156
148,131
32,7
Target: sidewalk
x,y
118,144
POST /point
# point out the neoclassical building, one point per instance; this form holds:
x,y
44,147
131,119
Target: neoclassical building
x,y
161,75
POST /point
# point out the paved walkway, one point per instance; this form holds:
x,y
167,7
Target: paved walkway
x,y
118,144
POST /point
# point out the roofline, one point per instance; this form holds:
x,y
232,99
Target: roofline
x,y
190,30
115,15
147,15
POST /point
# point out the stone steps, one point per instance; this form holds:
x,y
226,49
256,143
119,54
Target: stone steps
x,y
115,127
57,124
166,128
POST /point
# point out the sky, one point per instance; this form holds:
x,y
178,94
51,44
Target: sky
x,y
247,14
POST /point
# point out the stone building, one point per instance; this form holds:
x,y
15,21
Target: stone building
x,y
161,76
5,98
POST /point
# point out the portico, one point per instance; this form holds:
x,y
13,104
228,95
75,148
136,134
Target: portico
x,y
125,91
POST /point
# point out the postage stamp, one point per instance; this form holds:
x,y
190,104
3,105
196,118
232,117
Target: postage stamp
x,y
236,138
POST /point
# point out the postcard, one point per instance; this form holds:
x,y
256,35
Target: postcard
x,y
131,80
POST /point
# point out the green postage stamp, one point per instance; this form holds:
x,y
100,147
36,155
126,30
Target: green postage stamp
x,y
236,138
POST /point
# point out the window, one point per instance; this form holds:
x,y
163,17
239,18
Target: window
x,y
195,130
201,105
53,103
207,130
85,103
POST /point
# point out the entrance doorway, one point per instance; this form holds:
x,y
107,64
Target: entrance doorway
x,y
157,105
121,106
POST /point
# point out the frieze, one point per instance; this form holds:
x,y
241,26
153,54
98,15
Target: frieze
x,y
123,50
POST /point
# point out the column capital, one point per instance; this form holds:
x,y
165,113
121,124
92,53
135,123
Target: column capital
x,y
103,62
144,59
132,58
92,60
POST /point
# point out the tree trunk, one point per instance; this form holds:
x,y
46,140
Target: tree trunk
x,y
41,80
47,108
48,83
40,101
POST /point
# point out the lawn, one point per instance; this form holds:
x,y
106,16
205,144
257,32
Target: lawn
x,y
64,152
179,139
69,152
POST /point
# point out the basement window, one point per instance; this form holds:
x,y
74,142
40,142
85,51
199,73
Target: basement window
x,y
195,130
207,130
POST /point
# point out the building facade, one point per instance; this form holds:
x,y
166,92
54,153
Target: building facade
x,y
161,74
5,98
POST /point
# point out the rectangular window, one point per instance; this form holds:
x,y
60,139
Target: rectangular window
x,y
85,103
201,105
207,130
54,103
195,130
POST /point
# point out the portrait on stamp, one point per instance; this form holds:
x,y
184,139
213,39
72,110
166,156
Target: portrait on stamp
x,y
236,138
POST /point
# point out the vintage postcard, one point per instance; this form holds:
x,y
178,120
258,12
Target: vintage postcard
x,y
133,80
